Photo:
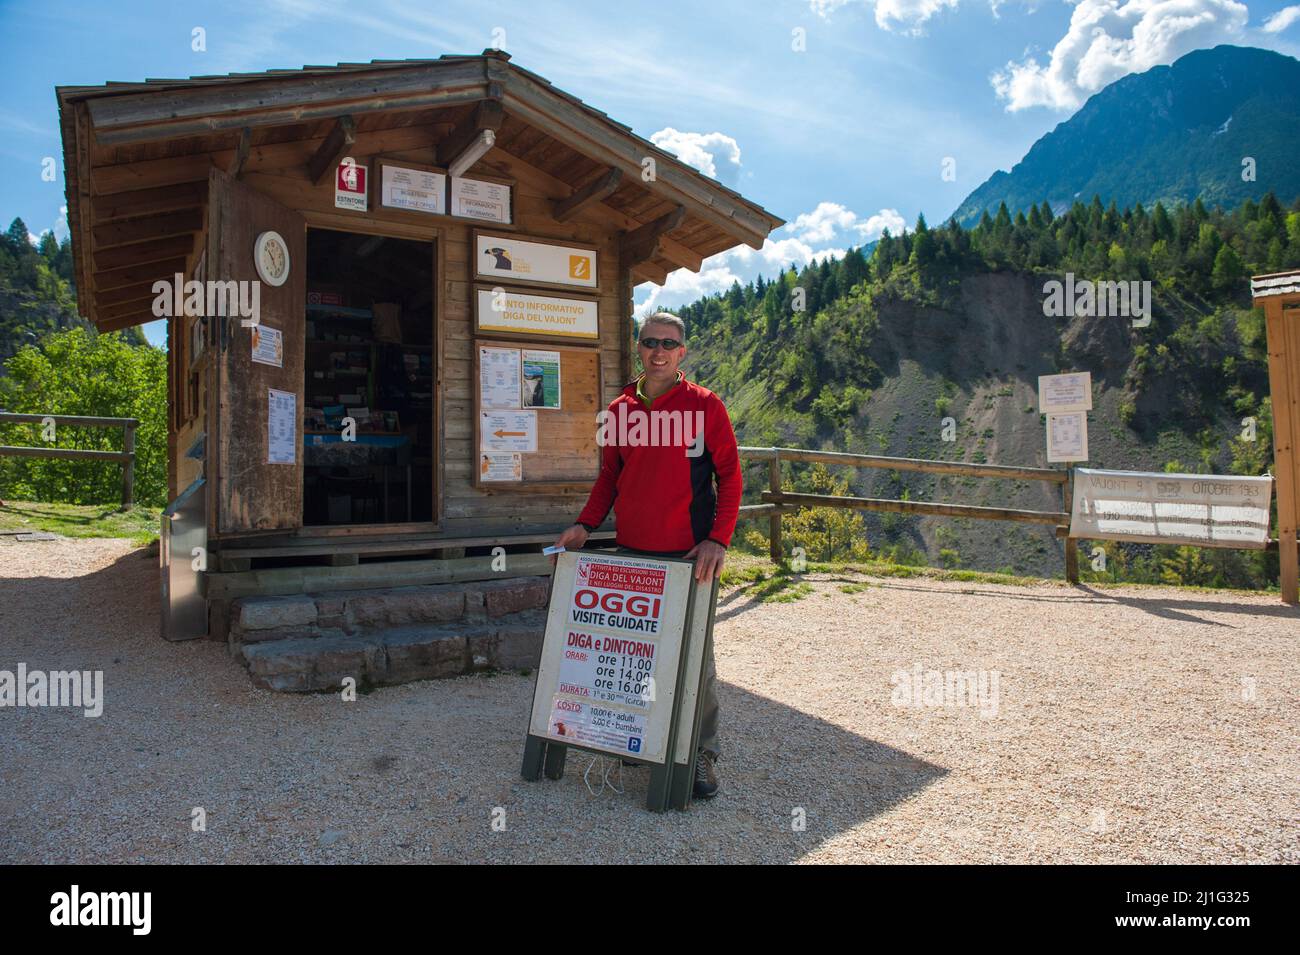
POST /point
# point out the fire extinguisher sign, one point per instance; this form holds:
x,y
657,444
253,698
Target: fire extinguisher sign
x,y
350,185
621,667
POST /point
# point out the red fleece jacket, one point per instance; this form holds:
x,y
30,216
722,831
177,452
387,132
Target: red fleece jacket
x,y
665,499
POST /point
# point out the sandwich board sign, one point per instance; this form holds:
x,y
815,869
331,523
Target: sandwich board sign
x,y
621,668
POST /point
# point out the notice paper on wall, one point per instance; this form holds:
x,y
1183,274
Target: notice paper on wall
x,y
281,427
498,373
415,189
508,431
476,199
268,345
500,466
1067,436
541,371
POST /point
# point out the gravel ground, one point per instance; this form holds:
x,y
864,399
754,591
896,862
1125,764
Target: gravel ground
x,y
1131,725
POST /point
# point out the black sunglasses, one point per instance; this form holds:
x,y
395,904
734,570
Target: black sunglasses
x,y
670,344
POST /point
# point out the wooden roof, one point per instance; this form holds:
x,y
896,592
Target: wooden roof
x,y
136,157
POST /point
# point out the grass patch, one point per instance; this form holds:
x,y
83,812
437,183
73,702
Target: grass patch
x,y
139,524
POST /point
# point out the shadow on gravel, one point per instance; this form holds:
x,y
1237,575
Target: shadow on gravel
x,y
412,773
1158,606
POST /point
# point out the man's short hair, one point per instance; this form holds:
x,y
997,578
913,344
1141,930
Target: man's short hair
x,y
665,318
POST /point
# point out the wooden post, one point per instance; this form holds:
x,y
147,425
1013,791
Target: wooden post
x,y
128,465
1279,296
775,550
1071,544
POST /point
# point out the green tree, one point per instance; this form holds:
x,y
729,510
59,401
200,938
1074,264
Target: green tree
x,y
76,372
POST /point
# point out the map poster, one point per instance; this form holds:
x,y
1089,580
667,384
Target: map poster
x,y
541,379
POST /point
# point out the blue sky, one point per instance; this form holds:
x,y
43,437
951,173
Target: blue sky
x,y
842,129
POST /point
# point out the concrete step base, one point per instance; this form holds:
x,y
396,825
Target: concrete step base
x,y
310,642
398,655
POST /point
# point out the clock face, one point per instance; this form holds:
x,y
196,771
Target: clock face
x,y
271,255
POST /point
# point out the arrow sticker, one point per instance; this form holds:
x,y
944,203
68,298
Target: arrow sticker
x,y
513,431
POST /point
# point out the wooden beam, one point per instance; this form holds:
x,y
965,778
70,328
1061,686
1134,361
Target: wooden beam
x,y
513,167
127,309
140,317
281,99
340,139
149,202
236,167
143,230
649,272
589,134
82,243
271,157
487,115
136,274
654,229
127,293
1282,328
139,253
643,243
593,192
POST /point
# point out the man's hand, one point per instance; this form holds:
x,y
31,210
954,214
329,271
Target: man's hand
x,y
709,556
572,539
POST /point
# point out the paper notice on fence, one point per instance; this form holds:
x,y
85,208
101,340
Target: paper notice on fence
x,y
1067,436
1071,392
1149,507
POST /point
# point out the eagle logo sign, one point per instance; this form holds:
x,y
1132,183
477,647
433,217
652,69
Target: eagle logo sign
x,y
502,258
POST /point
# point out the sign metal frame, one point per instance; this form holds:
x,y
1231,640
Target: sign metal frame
x,y
672,781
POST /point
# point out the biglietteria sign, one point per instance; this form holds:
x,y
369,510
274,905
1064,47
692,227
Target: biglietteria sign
x,y
609,664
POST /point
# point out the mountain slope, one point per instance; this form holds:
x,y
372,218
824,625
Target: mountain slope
x,y
1173,133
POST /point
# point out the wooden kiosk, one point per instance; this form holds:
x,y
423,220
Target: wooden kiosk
x,y
1279,295
441,254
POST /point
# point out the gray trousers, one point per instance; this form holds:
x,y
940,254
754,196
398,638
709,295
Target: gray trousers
x,y
709,691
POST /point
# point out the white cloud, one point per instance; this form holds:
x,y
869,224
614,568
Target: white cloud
x,y
808,243
822,223
882,220
1282,19
911,15
716,155
61,224
908,15
1108,39
831,218
824,8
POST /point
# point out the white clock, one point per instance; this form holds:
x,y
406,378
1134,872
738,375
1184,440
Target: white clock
x,y
271,255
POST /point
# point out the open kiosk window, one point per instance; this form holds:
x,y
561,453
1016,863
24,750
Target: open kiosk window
x,y
368,419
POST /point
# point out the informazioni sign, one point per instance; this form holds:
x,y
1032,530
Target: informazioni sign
x,y
1209,510
621,666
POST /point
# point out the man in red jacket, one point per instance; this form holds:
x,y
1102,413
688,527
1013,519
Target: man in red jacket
x,y
670,470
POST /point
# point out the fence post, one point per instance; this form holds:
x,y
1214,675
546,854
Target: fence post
x,y
1071,545
775,551
128,465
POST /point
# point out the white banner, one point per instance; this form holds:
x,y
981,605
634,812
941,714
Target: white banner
x,y
498,256
1209,510
506,310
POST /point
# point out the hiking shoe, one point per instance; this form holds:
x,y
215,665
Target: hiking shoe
x,y
706,777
